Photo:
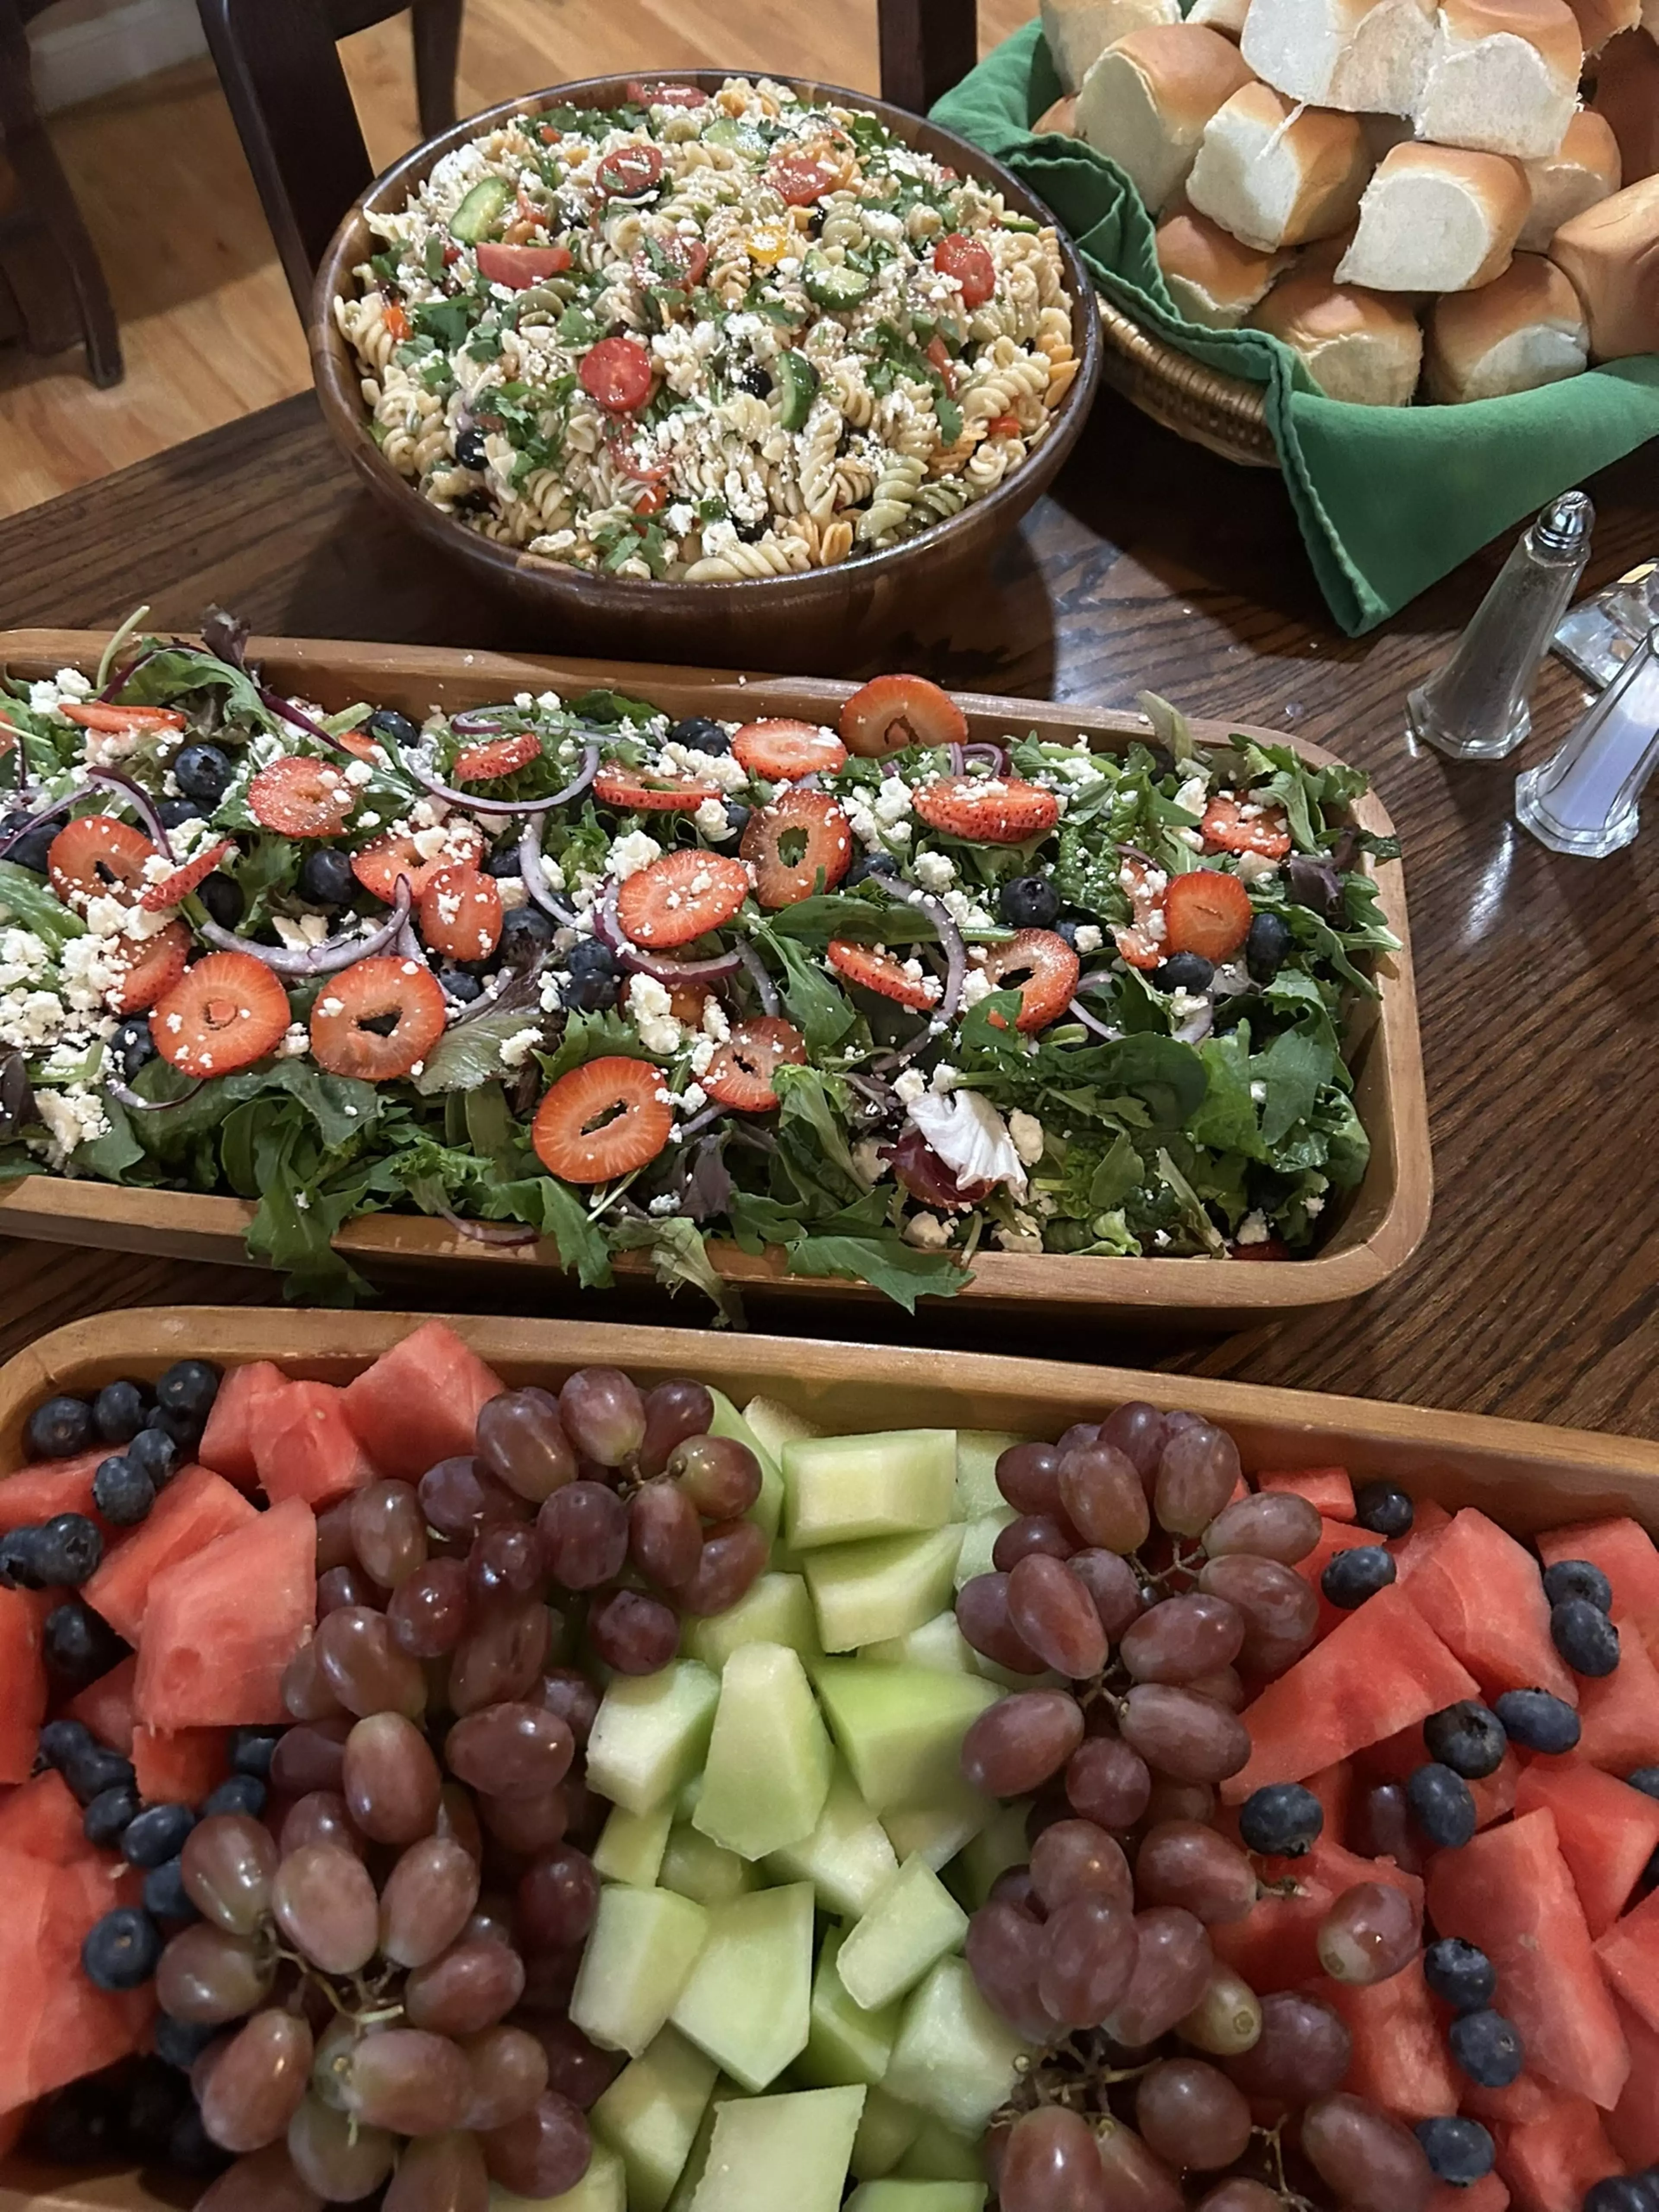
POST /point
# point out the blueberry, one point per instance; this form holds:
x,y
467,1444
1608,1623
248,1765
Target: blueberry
x,y
156,1454
68,1550
1488,2048
1579,1578
1267,947
91,1772
524,932
174,813
166,1897
1459,2150
155,2099
1584,1637
503,862
129,1046
736,818
79,1645
156,1835
1383,1509
591,956
1184,971
1442,1805
189,1387
180,2042
106,1819
1354,1576
1537,1720
191,2149
868,864
59,1429
1467,1738
180,1431
62,1740
83,2126
455,983
221,895
590,992
469,449
20,1568
204,772
704,736
122,1492
1644,1778
387,723
251,1749
1460,1974
1622,2192
325,877
243,1793
1282,1819
121,1950
1028,903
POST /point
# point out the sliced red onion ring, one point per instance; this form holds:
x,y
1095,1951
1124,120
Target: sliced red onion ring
x,y
406,945
606,927
1197,1027
502,1233
521,989
1081,1013
955,955
993,755
958,760
326,958
590,769
535,875
23,823
701,1121
289,712
477,721
1096,980
682,971
139,799
134,1104
756,968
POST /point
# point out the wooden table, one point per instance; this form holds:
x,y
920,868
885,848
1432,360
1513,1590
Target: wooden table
x,y
1154,565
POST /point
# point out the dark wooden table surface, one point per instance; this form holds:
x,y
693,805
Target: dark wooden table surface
x,y
1155,565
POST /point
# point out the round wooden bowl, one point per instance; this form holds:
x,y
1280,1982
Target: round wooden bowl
x,y
825,619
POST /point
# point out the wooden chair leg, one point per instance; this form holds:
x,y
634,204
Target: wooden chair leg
x,y
436,28
926,47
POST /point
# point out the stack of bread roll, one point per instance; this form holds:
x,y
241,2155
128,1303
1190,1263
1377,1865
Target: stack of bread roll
x,y
1457,200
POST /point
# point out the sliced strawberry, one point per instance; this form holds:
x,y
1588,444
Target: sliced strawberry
x,y
377,866
225,1012
603,1119
891,712
998,810
927,1177
1137,948
461,913
152,966
501,756
803,835
95,856
301,797
367,992
740,1074
1209,913
874,969
1228,829
1270,1248
97,714
681,897
688,1003
783,750
183,881
617,786
1046,970
361,744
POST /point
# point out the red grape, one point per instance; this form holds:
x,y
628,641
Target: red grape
x,y
1100,1492
1280,1610
1173,1965
439,2173
1016,1745
1087,1960
343,1586
734,1557
1004,1949
1227,2018
577,2068
1137,1430
408,2081
531,1823
522,1444
508,2067
208,1976
632,1632
510,1750
388,1531
311,1757
1032,1533
458,1499
1054,1616
307,1693
364,1667
1371,2161
1074,1858
427,1900
325,1903
504,1563
673,1411
1189,1738
544,2152
1108,1782
1183,1638
390,1779
227,1866
1051,2163
603,1416
665,1535
1179,1862
1274,1524
584,1534
1028,1475
1303,2052
258,2083
1191,2115
1371,1932
983,1617
466,1989
426,1614
568,1693
557,1899
320,1817
1110,1581
1136,2180
1198,1471
503,1658
719,1476
342,2162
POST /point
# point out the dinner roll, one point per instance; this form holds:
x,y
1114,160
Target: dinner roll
x,y
1627,99
1503,77
1437,219
1358,345
1356,54
1564,184
1228,16
1524,329
1061,117
1078,32
1147,98
1601,19
1212,279
1611,251
1276,175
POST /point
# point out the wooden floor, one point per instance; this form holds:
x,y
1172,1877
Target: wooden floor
x,y
208,326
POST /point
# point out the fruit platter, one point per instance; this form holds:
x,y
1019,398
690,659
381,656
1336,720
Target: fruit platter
x,y
447,1765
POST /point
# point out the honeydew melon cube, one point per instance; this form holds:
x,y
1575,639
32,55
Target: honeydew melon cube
x,y
937,1833
882,1587
748,2001
847,1858
938,2156
844,2042
651,1733
686,2187
791,2151
919,2196
767,1508
698,1868
777,1609
900,1728
602,2188
777,1425
690,1797
954,2057
640,1951
769,1759
651,2113
913,1921
978,1451
886,2131
977,1540
938,1644
1001,1844
894,1482
631,1845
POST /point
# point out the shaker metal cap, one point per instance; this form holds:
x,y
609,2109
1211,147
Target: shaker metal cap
x,y
1565,523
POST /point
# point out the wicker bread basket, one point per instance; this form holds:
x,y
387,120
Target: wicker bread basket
x,y
1223,412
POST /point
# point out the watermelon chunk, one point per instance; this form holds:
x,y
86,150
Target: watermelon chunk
x,y
222,1624
1511,1891
1275,1946
1482,1594
178,1768
306,1448
1550,2163
1334,1536
53,1486
54,2025
1494,1794
1607,1831
1632,2125
105,1706
1381,1669
42,1820
1489,2194
1528,2097
1619,1715
1629,1953
1410,1551
420,1402
195,1507
227,1441
1627,1556
22,1686
12,2124
1327,1489
1399,2056
1334,1787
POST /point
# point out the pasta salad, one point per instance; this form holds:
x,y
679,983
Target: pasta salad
x,y
707,336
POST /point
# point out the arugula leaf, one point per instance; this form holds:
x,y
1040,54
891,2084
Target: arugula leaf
x,y
179,669
819,1009
1227,1120
886,1263
470,1052
1295,1068
874,921
817,1104
30,899
553,1209
678,1256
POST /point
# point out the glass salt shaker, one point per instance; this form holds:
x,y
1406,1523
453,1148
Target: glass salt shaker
x,y
1584,801
1474,707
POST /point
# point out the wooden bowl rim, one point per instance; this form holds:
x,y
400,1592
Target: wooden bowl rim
x,y
337,378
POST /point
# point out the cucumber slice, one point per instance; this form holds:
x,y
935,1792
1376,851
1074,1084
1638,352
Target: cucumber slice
x,y
631,1848
885,2132
845,2043
882,1587
639,1953
914,1923
602,2188
651,2113
791,2150
847,1858
747,2002
899,1482
650,1733
700,1869
481,209
937,1831
729,1422
769,1759
938,2155
978,1451
900,1728
832,284
741,138
777,1609
938,1645
918,2196
798,385
954,2057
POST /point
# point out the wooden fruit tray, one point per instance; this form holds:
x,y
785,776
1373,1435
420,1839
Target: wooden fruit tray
x,y
1375,1234
1527,1476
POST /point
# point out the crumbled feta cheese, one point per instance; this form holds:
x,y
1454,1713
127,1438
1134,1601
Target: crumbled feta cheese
x,y
359,772
966,912
723,769
703,1049
332,1006
934,871
894,799
1313,1207
976,985
710,819
1026,1131
22,957
911,1084
1194,796
868,1162
649,1005
946,1079
714,1022
303,1199
72,1117
926,1232
1252,1229
1258,1094
1183,1005
1256,868
512,893
631,853
105,917
295,1043
1025,1235
666,1204
429,842
1086,938
518,1048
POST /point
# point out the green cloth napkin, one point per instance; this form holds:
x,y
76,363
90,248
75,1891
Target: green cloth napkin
x,y
1388,498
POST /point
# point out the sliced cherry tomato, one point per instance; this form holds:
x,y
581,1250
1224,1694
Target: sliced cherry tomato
x,y
642,471
939,357
396,320
646,94
547,135
183,881
688,258
501,756
970,263
97,714
651,501
629,172
1229,829
519,267
801,178
616,373
1003,426
301,797
451,255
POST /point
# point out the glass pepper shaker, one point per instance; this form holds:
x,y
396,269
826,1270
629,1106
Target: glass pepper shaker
x,y
1584,801
1474,706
